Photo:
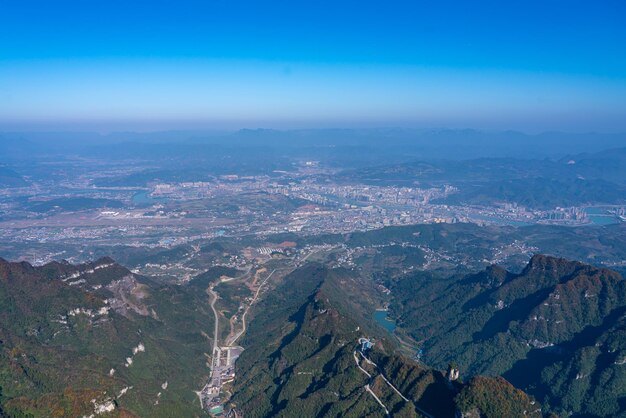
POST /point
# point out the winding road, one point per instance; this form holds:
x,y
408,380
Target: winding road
x,y
367,387
243,317
217,320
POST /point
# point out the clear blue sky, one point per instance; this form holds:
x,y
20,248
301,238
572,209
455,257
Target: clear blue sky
x,y
528,65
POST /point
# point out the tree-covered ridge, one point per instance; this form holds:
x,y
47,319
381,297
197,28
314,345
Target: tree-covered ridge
x,y
302,359
554,329
77,338
494,397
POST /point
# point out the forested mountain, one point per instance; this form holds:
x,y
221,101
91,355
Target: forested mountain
x,y
78,340
556,329
303,358
94,338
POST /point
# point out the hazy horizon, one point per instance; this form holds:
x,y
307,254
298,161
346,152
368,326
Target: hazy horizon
x,y
140,128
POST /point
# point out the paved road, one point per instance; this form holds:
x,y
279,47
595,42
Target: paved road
x,y
243,317
215,345
256,296
217,320
230,343
367,386
386,381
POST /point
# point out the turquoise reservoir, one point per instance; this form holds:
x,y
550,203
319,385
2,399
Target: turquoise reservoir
x,y
383,320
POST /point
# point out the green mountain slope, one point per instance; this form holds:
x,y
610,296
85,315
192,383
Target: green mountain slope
x,y
302,358
554,330
77,338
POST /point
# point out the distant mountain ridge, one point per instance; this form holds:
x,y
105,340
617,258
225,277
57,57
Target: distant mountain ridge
x,y
443,143
10,178
592,178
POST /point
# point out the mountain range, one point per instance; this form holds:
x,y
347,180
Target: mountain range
x,y
556,329
90,339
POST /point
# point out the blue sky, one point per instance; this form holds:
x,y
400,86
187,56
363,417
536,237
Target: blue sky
x,y
532,66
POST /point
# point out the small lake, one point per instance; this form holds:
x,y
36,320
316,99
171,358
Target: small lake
x,y
383,320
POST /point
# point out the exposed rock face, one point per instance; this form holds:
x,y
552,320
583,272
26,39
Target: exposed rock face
x,y
129,295
67,331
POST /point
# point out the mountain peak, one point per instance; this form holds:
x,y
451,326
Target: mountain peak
x,y
9,269
104,260
550,265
